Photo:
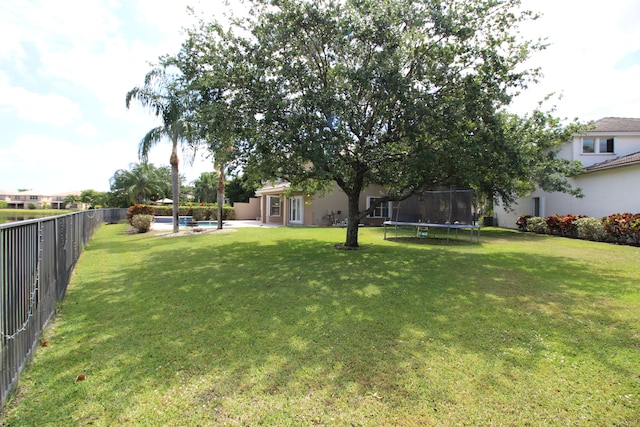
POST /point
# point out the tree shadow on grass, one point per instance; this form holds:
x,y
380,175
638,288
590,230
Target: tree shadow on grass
x,y
337,332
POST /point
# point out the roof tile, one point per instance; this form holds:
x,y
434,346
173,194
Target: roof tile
x,y
629,159
617,124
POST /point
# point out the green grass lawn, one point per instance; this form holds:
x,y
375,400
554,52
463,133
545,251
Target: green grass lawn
x,y
276,327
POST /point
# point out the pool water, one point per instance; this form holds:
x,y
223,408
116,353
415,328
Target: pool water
x,y
201,224
183,220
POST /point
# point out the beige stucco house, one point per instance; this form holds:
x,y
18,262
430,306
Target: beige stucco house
x,y
23,199
610,154
280,206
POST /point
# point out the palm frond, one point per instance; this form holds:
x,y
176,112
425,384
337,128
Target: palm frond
x,y
152,137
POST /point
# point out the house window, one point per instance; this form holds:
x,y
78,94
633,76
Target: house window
x,y
381,211
274,205
606,145
588,145
597,145
33,197
537,207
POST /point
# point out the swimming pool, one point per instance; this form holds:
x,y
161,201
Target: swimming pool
x,y
187,221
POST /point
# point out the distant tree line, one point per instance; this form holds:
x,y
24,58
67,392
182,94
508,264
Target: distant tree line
x,y
144,183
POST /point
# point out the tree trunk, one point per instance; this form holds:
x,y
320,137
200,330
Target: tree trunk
x,y
353,218
220,198
175,185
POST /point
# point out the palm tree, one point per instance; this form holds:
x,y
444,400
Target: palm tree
x,y
72,201
205,187
161,95
140,183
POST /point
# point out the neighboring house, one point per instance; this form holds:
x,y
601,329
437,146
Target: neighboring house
x,y
276,207
22,199
610,154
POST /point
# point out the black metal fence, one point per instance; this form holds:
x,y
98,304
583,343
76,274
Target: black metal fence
x,y
36,260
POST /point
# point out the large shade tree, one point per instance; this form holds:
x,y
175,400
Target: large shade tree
x,y
240,189
162,95
406,94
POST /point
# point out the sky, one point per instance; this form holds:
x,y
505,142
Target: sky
x,y
66,66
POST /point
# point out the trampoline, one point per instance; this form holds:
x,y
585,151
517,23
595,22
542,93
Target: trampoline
x,y
435,209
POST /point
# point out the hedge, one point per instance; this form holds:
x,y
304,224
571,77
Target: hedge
x,y
618,228
198,212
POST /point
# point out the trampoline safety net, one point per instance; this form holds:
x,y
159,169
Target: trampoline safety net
x,y
436,207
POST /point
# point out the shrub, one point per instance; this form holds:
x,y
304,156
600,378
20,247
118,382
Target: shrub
x,y
163,210
209,211
553,224
198,213
623,228
142,223
563,225
138,210
522,222
591,229
4,205
31,205
228,212
538,225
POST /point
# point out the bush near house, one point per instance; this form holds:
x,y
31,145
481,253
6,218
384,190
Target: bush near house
x,y
537,225
522,222
623,228
563,225
619,228
589,228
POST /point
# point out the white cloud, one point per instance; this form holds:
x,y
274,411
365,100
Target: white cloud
x,y
53,26
49,108
55,165
87,129
587,41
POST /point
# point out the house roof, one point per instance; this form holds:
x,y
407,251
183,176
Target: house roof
x,y
628,160
273,188
616,124
68,193
27,193
38,193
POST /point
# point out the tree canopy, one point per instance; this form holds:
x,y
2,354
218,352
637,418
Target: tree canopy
x,y
406,94
205,187
141,183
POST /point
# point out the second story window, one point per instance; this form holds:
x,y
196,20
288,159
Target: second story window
x,y
597,145
606,145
